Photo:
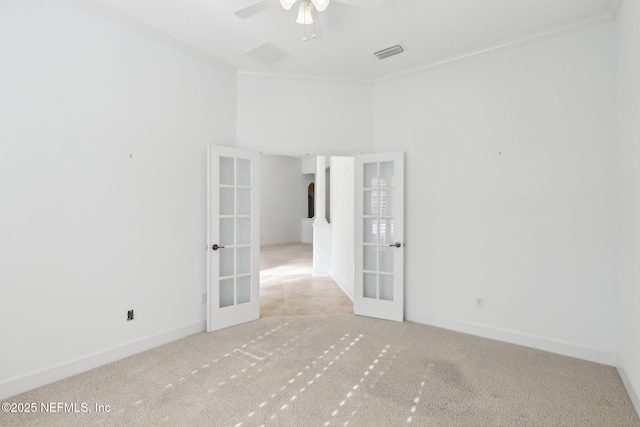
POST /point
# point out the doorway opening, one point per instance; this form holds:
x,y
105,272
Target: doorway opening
x,y
354,249
288,206
310,200
287,287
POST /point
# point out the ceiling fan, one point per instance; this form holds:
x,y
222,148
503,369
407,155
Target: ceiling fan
x,y
307,11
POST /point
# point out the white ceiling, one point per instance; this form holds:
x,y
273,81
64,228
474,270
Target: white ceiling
x,y
430,30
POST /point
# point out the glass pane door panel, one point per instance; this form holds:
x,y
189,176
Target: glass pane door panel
x,y
370,175
244,260
370,234
386,174
386,259
226,262
244,201
244,289
370,287
370,257
386,286
226,231
226,293
244,172
370,202
386,231
226,171
243,232
386,203
227,201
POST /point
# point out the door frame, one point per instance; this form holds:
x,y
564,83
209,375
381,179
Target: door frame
x,y
300,154
316,153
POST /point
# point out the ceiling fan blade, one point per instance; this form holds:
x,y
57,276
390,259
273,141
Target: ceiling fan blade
x,y
254,8
320,5
365,4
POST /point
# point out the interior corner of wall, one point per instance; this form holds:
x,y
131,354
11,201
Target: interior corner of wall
x,y
633,389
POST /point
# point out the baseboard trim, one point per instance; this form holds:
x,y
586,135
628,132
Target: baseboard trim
x,y
513,337
14,386
634,395
347,292
320,273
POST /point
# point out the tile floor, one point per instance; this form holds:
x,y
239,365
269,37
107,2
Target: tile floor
x,y
287,287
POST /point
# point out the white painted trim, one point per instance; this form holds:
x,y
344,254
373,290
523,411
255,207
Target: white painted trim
x,y
342,286
320,273
564,348
634,395
305,77
301,154
14,386
500,47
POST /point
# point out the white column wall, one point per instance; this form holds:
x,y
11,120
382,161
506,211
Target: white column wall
x,y
320,189
342,223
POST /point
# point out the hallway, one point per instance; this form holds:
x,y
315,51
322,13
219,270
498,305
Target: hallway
x,y
287,287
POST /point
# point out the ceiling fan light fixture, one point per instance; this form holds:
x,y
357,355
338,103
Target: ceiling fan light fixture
x,y
320,5
304,14
287,4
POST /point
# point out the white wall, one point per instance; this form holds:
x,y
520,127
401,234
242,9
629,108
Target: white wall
x,y
283,199
342,222
628,107
509,190
102,187
280,116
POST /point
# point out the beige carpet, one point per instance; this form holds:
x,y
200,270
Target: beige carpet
x,y
338,370
287,287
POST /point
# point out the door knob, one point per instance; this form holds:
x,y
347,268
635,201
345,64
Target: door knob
x,y
216,247
396,244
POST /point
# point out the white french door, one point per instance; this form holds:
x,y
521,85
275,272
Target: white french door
x,y
233,241
379,236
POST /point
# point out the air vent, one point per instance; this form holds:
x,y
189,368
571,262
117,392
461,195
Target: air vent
x,y
269,54
390,51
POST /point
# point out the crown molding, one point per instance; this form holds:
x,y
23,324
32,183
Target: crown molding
x,y
306,77
615,9
152,33
609,16
573,27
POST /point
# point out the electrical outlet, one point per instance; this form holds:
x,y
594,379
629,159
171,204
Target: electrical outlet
x,y
479,302
129,315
